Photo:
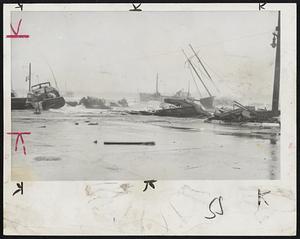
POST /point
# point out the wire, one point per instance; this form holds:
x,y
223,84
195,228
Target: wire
x,y
194,80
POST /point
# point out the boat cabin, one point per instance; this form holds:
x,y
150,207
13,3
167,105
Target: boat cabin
x,y
45,89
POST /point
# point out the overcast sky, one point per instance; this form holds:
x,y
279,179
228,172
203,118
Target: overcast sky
x,y
122,51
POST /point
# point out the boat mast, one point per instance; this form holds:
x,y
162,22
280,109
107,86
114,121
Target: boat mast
x,y
157,83
29,76
275,101
203,66
196,73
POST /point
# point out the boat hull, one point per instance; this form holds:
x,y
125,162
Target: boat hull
x,y
208,102
20,103
72,103
53,103
97,107
144,97
179,112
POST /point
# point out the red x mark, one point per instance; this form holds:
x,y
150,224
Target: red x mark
x,y
22,140
16,33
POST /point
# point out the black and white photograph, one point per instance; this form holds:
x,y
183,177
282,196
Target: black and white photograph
x,y
149,119
169,95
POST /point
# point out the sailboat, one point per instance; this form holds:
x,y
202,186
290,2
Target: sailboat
x,y
180,98
245,114
155,96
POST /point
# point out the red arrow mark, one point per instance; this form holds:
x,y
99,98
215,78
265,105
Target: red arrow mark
x,y
17,139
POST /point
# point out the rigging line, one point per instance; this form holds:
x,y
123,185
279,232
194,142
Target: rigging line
x,y
177,51
45,59
214,71
219,75
194,80
205,76
196,73
233,39
211,68
204,68
52,74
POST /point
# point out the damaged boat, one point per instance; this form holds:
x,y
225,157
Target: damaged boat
x,y
145,97
19,103
182,108
246,114
43,94
47,95
93,103
177,108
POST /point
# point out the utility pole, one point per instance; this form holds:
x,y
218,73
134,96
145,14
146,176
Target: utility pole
x,y
275,101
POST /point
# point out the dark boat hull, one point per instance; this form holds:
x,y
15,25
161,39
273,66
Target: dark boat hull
x,y
97,107
178,112
20,103
72,103
53,103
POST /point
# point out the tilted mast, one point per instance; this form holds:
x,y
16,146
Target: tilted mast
x,y
197,73
203,66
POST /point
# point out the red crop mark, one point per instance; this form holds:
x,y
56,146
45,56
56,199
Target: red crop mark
x,y
16,33
22,140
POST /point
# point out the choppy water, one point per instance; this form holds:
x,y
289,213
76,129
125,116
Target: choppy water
x,y
62,147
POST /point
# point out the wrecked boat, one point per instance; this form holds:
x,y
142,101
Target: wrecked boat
x,y
207,101
183,108
47,95
94,103
145,97
246,114
43,94
71,103
121,103
177,108
19,103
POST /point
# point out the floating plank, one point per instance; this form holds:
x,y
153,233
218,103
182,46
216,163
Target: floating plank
x,y
131,143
